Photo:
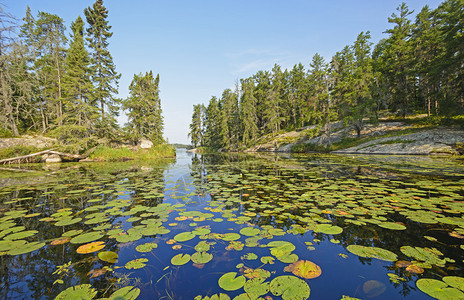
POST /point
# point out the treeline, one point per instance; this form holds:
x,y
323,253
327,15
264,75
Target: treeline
x,y
67,86
417,68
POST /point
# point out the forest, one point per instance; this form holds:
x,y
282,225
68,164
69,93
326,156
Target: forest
x,y
418,68
66,86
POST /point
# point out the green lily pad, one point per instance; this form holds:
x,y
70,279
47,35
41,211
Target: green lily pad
x,y
290,288
180,259
256,287
125,293
250,256
20,235
26,248
305,269
201,257
83,291
455,281
267,260
203,246
372,252
249,231
184,236
392,226
147,247
438,289
108,256
328,229
68,221
231,282
136,263
231,236
427,255
86,238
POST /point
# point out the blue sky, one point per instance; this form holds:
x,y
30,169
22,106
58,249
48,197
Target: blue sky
x,y
202,47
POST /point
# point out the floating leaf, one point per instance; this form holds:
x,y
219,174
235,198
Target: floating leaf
x,y
60,241
26,248
201,257
203,246
91,247
250,256
290,288
328,229
97,272
257,274
184,236
180,259
256,287
249,231
392,226
231,282
438,289
86,238
147,247
108,256
83,291
231,236
136,263
125,293
455,281
414,269
305,269
267,260
372,252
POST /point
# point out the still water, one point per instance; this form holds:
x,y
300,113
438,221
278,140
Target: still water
x,y
235,226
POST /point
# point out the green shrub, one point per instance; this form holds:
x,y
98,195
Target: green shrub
x,y
18,151
106,153
5,133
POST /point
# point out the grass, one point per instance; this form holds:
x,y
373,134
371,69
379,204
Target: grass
x,y
353,142
105,153
19,150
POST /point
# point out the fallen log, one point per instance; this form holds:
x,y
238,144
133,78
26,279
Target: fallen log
x,y
50,151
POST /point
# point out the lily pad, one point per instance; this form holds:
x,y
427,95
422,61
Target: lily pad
x,y
86,238
249,231
305,269
147,247
372,252
108,256
455,281
136,263
231,282
180,259
290,288
201,257
184,236
125,293
256,287
83,291
91,247
438,289
231,236
26,248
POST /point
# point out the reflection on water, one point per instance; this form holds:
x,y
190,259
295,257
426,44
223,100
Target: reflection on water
x,y
208,215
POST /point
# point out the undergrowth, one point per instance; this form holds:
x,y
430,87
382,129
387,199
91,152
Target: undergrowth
x,y
105,153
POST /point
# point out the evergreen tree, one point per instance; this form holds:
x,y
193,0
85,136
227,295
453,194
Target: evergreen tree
x,y
104,76
213,138
76,81
51,38
398,60
248,115
229,118
196,133
144,108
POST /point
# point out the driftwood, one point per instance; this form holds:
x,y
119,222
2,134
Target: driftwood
x,y
19,159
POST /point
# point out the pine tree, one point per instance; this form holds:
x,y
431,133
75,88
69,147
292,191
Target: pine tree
x,y
213,138
103,70
248,115
398,60
76,81
51,38
144,109
196,133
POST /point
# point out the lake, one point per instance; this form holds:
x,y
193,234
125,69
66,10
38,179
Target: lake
x,y
235,226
